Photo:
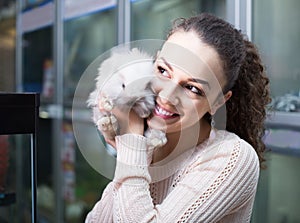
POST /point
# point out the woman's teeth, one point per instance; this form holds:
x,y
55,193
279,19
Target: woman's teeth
x,y
163,112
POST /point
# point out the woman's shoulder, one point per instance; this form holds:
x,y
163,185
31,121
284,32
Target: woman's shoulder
x,y
232,142
230,147
224,137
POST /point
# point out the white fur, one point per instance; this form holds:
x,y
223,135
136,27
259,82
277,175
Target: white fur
x,y
128,83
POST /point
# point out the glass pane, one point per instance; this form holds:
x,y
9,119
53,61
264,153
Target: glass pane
x,y
15,178
152,19
276,32
38,74
277,198
45,173
284,181
82,185
30,4
85,38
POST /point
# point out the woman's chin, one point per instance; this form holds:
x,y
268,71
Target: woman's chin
x,y
166,125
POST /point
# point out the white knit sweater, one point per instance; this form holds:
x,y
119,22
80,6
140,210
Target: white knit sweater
x,y
214,182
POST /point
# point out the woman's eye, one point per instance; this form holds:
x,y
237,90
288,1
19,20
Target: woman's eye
x,y
194,90
163,71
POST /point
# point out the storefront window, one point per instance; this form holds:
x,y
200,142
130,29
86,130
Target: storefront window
x,y
152,19
276,31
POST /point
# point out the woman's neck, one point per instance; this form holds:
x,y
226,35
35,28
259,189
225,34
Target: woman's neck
x,y
179,142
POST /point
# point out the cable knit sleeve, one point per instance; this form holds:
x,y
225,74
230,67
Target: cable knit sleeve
x,y
132,180
103,210
133,160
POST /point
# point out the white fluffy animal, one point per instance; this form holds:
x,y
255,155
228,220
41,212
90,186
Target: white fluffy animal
x,y
124,79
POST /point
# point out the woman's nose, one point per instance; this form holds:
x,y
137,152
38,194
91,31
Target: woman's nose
x,y
169,94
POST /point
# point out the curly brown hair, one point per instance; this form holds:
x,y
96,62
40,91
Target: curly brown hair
x,y
245,73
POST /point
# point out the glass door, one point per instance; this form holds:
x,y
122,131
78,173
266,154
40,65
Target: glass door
x,y
15,179
153,19
90,29
276,32
35,73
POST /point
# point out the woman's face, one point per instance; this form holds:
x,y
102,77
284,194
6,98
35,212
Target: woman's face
x,y
189,78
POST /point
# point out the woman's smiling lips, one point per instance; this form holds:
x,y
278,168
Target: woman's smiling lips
x,y
163,113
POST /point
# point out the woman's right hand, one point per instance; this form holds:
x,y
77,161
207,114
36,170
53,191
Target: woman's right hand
x,y
128,122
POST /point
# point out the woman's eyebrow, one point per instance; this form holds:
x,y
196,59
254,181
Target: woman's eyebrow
x,y
167,64
197,80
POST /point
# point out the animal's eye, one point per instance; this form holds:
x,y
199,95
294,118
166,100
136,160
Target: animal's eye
x,y
123,86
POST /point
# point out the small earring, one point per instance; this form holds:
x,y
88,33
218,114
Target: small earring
x,y
212,122
212,133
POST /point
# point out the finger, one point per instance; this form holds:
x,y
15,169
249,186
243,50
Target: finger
x,y
105,104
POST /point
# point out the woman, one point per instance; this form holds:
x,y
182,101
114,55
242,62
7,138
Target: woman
x,y
202,174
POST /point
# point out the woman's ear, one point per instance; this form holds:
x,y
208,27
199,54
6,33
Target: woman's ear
x,y
227,96
219,102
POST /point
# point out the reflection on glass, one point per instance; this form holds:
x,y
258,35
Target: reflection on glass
x,y
30,4
152,19
38,75
276,32
85,38
15,178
